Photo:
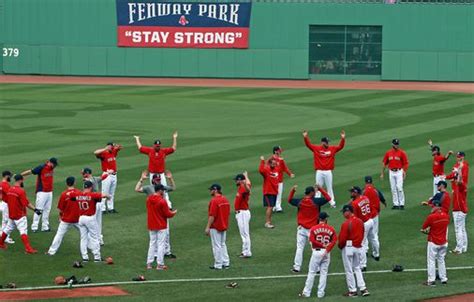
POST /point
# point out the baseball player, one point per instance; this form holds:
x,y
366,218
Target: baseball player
x,y
242,212
108,161
157,159
44,193
459,180
438,164
4,187
271,178
158,214
149,190
442,196
277,150
17,204
308,212
323,238
375,197
364,210
96,183
216,228
324,159
351,236
397,162
436,227
68,213
87,201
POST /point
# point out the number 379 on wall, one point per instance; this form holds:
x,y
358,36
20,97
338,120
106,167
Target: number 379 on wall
x,y
10,52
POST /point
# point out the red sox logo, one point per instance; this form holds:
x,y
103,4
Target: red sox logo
x,y
183,21
325,153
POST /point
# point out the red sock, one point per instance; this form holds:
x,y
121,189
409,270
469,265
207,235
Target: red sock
x,y
26,242
4,236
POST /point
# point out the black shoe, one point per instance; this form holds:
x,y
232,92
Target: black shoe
x,y
364,269
402,207
295,271
365,293
225,266
170,256
444,282
432,284
46,231
214,268
114,211
105,212
34,231
395,207
85,260
376,258
279,212
98,260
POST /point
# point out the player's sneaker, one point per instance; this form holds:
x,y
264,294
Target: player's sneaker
x,y
46,230
161,267
225,266
215,268
113,211
98,260
85,259
31,251
9,240
350,294
365,292
376,258
269,226
402,207
363,269
295,271
148,266
455,252
427,283
170,256
245,256
48,254
444,282
301,295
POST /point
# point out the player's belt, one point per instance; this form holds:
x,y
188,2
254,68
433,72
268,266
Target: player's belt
x,y
237,212
395,170
113,173
436,175
317,250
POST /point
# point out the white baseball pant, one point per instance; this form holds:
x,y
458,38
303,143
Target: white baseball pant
x,y
89,236
20,224
43,202
324,179
277,207
319,263
58,238
170,205
5,217
302,237
369,236
396,185
157,247
376,236
219,248
436,253
460,230
243,221
437,179
351,260
109,185
98,217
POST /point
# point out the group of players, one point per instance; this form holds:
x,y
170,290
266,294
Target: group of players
x,y
83,209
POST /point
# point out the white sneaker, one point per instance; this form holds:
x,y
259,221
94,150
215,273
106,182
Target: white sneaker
x,y
269,226
9,240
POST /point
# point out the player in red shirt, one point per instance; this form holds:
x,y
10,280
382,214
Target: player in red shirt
x,y
68,213
277,150
436,226
438,164
17,204
157,159
459,181
397,162
4,187
364,210
375,197
216,228
271,178
442,196
324,159
44,193
108,162
308,212
323,238
158,214
242,212
87,201
351,236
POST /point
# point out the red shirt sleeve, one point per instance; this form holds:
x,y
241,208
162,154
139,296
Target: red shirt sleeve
x,y
325,194
285,168
213,209
166,211
332,243
23,199
343,235
61,202
308,144
144,150
341,145
405,161
115,151
96,196
292,194
168,150
427,222
261,168
385,159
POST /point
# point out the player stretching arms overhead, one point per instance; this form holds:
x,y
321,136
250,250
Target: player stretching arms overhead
x,y
277,150
324,159
44,192
4,187
242,212
438,165
108,161
397,162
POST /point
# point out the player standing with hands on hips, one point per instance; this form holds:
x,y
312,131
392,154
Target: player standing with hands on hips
x,y
438,164
397,162
324,159
277,150
242,212
4,188
108,161
44,193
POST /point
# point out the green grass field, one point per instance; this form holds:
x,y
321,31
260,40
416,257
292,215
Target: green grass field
x,y
223,131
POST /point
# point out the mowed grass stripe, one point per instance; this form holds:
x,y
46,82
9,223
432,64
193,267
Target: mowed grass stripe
x,y
439,106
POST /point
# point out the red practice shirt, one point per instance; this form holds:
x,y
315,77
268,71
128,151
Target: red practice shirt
x,y
44,179
438,164
373,195
156,160
362,208
87,202
108,160
17,202
282,166
158,212
396,159
351,229
438,222
323,236
219,208
308,208
445,201
324,158
242,197
459,190
271,178
4,187
69,208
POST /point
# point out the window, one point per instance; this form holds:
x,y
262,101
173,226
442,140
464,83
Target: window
x,y
345,50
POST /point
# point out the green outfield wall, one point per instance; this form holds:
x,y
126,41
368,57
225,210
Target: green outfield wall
x,y
426,42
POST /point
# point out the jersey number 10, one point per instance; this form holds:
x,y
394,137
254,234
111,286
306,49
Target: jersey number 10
x,y
84,205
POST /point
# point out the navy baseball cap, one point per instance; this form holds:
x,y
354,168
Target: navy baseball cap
x,y
368,179
157,142
239,177
323,215
395,141
435,148
88,184
54,161
215,187
461,154
87,170
277,148
347,207
159,187
18,177
325,139
6,173
110,143
355,189
309,190
442,183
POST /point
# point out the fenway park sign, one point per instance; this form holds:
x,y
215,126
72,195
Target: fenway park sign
x,y
184,25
